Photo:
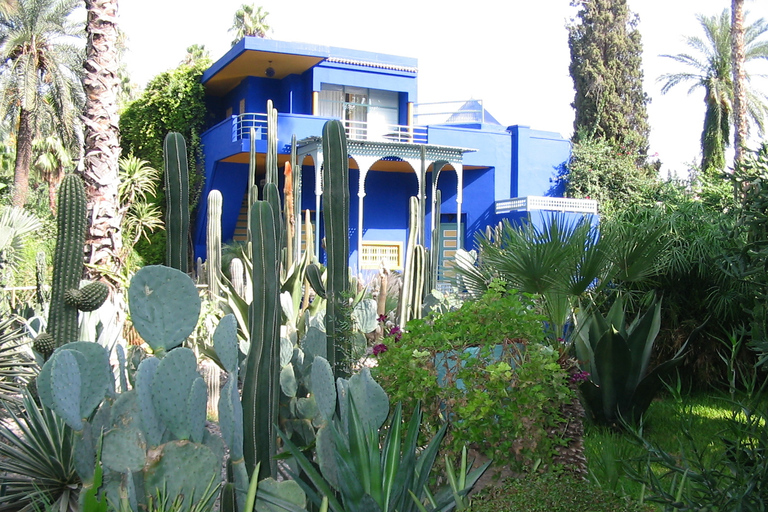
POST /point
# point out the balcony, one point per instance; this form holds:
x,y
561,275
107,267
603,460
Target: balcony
x,y
356,130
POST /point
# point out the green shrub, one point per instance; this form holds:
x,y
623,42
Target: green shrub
x,y
551,493
485,367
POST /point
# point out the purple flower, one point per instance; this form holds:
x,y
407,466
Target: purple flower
x,y
579,377
379,349
382,319
396,332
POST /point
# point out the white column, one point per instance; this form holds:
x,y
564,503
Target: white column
x,y
459,198
317,156
364,164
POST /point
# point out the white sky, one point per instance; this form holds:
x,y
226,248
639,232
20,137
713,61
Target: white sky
x,y
512,54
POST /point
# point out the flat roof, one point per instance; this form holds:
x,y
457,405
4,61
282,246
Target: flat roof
x,y
253,54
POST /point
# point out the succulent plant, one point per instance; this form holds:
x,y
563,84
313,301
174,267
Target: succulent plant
x,y
177,201
67,298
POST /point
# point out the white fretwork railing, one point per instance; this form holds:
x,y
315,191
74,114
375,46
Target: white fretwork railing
x,y
356,130
559,204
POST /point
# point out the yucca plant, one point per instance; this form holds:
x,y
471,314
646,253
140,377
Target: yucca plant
x,y
617,356
16,365
37,461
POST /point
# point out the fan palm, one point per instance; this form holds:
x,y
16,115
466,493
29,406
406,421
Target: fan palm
x,y
563,260
249,21
39,78
15,226
710,67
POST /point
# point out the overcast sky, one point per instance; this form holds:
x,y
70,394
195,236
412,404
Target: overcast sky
x,y
511,54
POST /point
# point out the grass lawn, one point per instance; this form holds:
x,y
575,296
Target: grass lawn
x,y
671,424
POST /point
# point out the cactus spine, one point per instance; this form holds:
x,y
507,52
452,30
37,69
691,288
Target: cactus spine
x,y
437,243
68,262
260,384
213,244
336,217
412,294
177,201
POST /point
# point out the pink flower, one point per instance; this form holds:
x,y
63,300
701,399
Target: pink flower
x,y
379,349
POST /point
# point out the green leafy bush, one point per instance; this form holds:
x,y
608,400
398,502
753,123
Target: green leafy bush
x,y
485,367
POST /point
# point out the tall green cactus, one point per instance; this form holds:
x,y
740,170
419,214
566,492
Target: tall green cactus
x,y
437,243
336,217
213,244
67,298
177,201
416,265
260,384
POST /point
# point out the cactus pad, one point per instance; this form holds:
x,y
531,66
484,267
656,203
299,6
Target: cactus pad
x,y
182,468
322,387
171,388
225,342
164,306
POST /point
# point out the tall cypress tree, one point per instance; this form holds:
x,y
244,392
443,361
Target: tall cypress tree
x,y
606,59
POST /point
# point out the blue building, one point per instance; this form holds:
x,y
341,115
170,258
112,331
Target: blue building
x,y
398,148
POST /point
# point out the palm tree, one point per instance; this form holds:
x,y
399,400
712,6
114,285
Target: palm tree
x,y
710,68
51,163
39,78
249,21
102,144
739,78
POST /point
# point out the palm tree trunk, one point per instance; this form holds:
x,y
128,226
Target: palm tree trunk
x,y
739,78
23,159
102,145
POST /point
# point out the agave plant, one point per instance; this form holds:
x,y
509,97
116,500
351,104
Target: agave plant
x,y
37,461
617,357
371,474
16,364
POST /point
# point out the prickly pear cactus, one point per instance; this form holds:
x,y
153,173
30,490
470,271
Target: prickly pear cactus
x,y
164,306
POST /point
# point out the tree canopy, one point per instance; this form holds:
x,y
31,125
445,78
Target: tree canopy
x,y
606,59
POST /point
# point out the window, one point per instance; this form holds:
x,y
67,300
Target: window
x,y
369,113
376,252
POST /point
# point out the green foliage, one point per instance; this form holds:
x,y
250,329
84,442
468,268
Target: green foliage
x,y
173,101
485,367
609,173
606,67
709,66
746,265
37,459
727,471
617,356
364,466
551,493
563,260
16,367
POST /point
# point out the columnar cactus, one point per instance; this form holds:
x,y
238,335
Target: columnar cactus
x,y
336,217
416,264
213,244
437,243
68,261
177,201
260,391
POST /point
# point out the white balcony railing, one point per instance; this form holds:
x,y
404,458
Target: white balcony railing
x,y
356,130
558,204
